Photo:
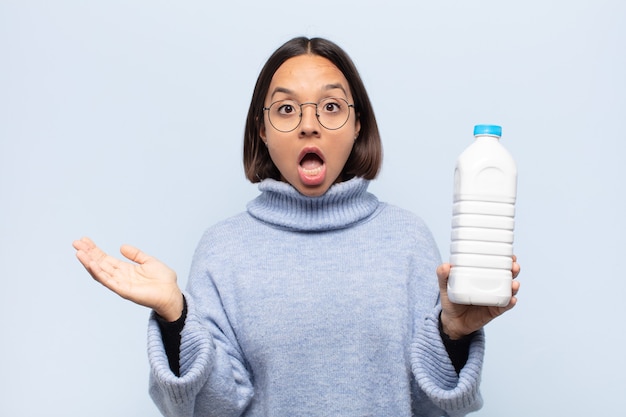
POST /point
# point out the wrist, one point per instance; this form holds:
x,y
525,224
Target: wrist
x,y
449,328
173,310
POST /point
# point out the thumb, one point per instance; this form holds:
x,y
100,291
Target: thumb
x,y
134,254
443,271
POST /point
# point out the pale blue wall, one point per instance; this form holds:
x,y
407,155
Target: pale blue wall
x,y
122,120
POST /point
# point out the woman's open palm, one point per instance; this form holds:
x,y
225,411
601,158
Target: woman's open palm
x,y
145,281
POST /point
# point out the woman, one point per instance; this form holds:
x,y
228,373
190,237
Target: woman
x,y
319,299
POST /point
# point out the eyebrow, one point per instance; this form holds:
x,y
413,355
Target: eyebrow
x,y
325,88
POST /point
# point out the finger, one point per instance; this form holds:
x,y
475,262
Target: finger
x,y
78,245
134,254
88,242
91,249
511,304
443,271
92,266
98,263
83,244
515,287
84,258
87,251
515,269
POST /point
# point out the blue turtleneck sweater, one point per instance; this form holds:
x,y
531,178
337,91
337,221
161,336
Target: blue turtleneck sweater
x,y
314,306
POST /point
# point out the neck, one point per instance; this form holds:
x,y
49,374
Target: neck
x,y
343,205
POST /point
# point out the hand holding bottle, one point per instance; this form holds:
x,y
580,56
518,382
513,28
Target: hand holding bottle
x,y
460,320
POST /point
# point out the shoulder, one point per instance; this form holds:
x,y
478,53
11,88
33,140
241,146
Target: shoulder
x,y
236,222
401,225
225,232
403,219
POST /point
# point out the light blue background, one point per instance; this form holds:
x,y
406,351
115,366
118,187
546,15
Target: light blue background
x,y
123,120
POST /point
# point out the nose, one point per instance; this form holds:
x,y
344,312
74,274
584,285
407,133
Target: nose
x,y
309,125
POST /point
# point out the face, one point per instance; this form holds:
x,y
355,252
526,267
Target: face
x,y
310,157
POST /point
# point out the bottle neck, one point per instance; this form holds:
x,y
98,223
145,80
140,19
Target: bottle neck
x,y
487,138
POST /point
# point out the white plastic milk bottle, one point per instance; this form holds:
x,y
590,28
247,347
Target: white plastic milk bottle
x,y
481,249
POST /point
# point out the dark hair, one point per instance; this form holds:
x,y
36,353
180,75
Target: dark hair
x,y
366,156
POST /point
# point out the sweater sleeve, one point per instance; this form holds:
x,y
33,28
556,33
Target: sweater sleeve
x,y
446,375
213,378
213,381
455,393
176,395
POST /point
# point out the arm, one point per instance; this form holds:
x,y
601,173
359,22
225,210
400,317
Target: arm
x,y
213,380
456,394
453,390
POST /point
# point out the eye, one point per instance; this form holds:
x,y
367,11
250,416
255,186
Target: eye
x,y
286,108
331,105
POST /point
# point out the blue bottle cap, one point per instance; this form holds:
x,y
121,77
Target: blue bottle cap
x,y
491,130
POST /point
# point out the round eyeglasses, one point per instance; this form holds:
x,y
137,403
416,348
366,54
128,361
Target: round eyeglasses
x,y
286,115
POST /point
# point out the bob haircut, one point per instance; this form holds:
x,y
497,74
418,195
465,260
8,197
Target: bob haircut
x,y
366,157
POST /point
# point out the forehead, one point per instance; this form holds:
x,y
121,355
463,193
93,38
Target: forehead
x,y
307,75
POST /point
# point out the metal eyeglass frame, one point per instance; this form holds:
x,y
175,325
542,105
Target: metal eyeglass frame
x,y
316,113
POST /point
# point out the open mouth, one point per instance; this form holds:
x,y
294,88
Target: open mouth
x,y
311,164
312,168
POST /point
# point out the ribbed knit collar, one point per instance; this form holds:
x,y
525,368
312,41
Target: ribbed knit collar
x,y
343,205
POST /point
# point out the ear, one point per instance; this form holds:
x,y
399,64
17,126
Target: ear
x,y
262,132
357,126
